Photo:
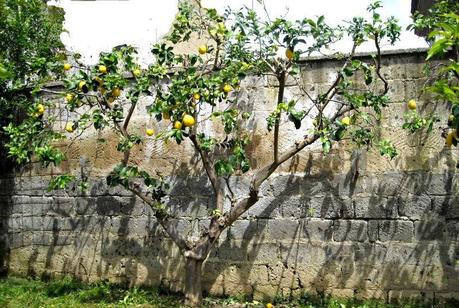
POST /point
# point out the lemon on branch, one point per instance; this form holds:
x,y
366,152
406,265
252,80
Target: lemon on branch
x,y
69,97
166,115
83,86
40,109
102,69
412,104
202,49
116,92
69,127
227,88
178,125
188,120
136,72
289,53
149,132
346,121
67,66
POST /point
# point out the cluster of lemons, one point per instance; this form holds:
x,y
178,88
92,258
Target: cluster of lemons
x,y
451,136
83,87
187,119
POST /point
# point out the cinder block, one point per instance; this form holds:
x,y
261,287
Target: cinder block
x,y
350,230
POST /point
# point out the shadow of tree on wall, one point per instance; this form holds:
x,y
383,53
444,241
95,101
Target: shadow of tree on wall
x,y
348,234
6,208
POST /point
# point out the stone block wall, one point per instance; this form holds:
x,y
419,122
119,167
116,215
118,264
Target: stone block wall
x,y
349,224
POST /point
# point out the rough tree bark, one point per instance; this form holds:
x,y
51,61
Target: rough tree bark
x,y
193,286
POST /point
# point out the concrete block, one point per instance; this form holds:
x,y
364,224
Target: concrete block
x,y
430,229
285,185
108,206
271,207
283,229
350,230
396,230
447,206
243,230
329,206
317,229
375,207
373,230
192,207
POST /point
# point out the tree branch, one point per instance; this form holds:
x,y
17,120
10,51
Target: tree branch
x,y
266,171
162,219
210,171
378,64
129,115
280,98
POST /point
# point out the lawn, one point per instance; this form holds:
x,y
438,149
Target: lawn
x,y
21,292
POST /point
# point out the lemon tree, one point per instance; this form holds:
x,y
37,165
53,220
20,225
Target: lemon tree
x,y
443,24
30,56
186,87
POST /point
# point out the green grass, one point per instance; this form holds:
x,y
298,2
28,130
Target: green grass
x,y
21,292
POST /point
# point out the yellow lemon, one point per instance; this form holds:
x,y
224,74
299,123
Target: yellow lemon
x,y
69,127
269,305
202,49
227,88
40,108
188,120
289,53
449,139
196,96
102,69
178,125
81,84
149,131
116,92
67,66
166,116
346,121
412,104
136,72
69,97
99,80
221,28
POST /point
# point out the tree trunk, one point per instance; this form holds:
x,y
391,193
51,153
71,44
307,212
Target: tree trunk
x,y
193,288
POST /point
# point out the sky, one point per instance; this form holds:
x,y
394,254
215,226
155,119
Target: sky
x,y
95,26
